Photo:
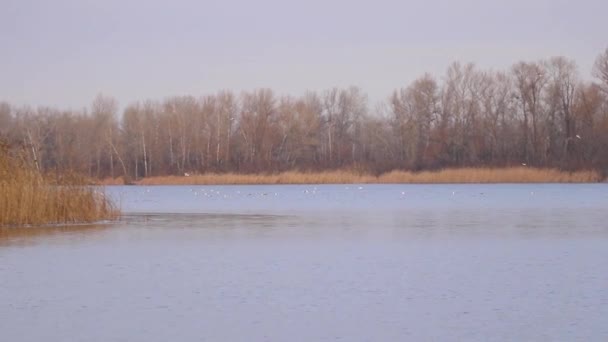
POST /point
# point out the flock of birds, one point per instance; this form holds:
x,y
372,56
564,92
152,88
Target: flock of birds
x,y
214,193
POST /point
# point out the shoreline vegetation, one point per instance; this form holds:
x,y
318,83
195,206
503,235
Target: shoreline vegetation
x,y
27,198
445,176
540,113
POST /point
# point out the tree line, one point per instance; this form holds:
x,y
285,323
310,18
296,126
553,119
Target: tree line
x,y
539,113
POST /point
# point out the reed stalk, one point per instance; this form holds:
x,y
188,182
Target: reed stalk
x,y
27,198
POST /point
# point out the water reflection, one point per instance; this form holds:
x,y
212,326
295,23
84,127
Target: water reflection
x,y
201,220
396,224
15,236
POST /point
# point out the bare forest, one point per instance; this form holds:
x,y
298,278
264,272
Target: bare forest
x,y
537,114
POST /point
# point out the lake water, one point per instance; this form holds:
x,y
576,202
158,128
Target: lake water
x,y
317,263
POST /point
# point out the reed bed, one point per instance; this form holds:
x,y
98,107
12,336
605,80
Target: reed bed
x,y
461,175
492,175
111,181
27,198
290,177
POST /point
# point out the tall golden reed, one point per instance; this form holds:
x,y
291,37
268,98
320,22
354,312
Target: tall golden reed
x,y
26,198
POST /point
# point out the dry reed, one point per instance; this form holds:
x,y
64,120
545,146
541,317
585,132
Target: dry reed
x,y
27,198
111,181
461,175
492,175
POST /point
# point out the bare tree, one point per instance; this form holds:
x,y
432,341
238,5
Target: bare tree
x,y
342,111
600,69
415,110
564,81
257,129
496,104
530,80
299,122
462,107
32,132
104,110
226,114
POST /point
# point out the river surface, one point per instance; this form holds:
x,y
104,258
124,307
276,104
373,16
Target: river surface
x,y
317,263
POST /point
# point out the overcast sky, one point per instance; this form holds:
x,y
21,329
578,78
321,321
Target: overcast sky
x,y
62,53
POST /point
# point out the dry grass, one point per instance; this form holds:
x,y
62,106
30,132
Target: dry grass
x,y
26,198
110,181
291,177
463,175
492,175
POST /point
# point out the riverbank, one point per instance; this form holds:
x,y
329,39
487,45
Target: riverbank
x,y
461,175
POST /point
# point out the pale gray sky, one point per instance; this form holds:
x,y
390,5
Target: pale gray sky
x,y
64,52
